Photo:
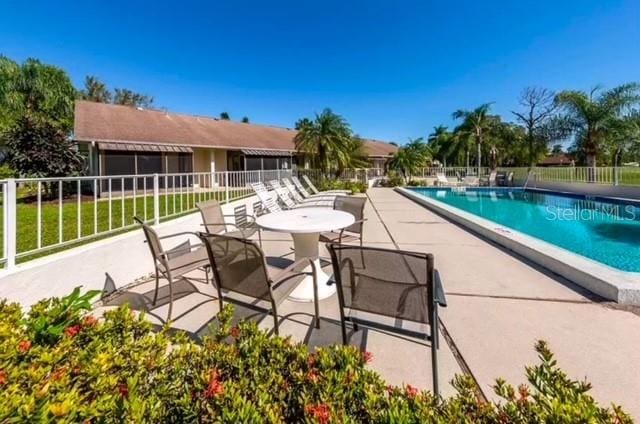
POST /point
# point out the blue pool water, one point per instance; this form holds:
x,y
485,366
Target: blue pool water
x,y
605,232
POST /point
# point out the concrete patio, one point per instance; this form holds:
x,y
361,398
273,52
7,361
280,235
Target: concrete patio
x,y
498,306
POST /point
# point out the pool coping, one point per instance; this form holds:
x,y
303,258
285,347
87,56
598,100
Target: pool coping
x,y
619,286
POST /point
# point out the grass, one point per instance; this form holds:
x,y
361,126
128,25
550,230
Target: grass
x,y
92,228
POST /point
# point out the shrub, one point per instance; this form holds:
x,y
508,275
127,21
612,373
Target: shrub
x,y
393,180
354,186
117,369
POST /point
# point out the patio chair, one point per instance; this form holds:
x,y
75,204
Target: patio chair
x,y
471,181
396,284
239,266
296,186
491,181
316,191
444,182
214,220
176,262
353,233
266,199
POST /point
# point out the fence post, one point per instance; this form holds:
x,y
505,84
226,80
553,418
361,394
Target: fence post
x,y
10,223
156,199
226,186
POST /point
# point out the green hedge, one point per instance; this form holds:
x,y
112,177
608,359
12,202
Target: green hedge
x,y
58,365
355,187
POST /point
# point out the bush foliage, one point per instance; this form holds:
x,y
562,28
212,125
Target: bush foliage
x,y
354,186
116,369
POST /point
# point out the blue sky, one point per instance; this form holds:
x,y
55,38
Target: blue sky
x,y
394,69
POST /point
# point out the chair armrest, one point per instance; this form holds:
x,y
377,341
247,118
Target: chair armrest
x,y
183,233
287,272
438,296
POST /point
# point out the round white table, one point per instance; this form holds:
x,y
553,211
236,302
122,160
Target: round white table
x,y
305,226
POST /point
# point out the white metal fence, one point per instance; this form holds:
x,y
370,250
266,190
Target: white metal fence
x,y
42,215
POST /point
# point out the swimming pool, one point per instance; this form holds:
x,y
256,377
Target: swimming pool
x,y
603,231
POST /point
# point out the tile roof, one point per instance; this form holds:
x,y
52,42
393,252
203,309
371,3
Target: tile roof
x,y
103,122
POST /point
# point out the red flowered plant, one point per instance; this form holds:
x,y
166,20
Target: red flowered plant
x,y
367,357
126,370
214,386
321,412
72,331
24,346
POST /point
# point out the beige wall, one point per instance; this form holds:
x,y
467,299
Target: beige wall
x,y
201,160
219,159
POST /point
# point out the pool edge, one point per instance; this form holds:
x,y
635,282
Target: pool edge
x,y
619,286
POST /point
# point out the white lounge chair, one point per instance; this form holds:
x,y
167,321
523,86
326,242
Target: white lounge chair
x,y
267,200
316,191
443,181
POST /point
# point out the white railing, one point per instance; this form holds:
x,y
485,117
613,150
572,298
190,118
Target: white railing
x,y
451,171
45,214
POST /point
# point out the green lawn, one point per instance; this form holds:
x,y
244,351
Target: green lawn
x,y
122,212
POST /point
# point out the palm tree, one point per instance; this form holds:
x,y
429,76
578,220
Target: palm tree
x,y
476,122
441,143
411,157
327,140
95,90
593,115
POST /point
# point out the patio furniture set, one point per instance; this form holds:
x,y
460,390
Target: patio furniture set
x,y
370,282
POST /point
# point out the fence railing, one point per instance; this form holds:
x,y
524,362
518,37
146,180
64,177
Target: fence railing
x,y
452,171
42,215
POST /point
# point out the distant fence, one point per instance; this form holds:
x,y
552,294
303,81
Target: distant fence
x,y
42,215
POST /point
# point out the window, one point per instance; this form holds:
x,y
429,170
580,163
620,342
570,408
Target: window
x,y
150,163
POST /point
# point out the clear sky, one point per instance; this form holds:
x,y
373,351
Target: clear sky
x,y
394,69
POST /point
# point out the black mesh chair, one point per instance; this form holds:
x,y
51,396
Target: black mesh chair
x,y
214,221
393,283
239,266
353,233
173,263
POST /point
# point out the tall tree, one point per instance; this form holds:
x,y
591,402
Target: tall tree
x,y
443,144
126,97
593,115
538,117
225,116
327,140
477,122
409,158
38,89
95,90
624,135
36,147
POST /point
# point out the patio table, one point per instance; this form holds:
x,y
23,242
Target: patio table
x,y
305,226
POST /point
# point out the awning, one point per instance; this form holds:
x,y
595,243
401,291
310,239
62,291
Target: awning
x,y
132,147
259,152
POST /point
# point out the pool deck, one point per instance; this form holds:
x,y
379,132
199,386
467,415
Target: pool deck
x,y
498,306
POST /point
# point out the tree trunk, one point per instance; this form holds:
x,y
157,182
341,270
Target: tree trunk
x,y
479,158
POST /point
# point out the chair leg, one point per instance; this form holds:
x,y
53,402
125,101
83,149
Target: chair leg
x,y
260,237
274,311
434,366
155,295
344,332
170,278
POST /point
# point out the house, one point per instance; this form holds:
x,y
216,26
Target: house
x,y
123,140
558,159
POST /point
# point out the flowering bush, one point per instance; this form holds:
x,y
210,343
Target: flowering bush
x,y
117,369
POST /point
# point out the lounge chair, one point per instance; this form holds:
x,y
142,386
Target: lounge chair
x,y
316,191
444,182
396,284
287,200
300,197
491,181
471,181
266,199
353,233
214,220
239,266
176,262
